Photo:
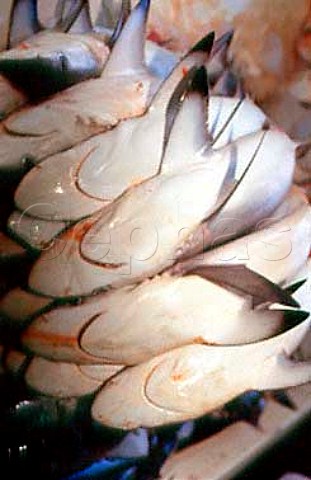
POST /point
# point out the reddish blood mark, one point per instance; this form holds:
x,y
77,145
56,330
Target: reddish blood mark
x,y
112,266
154,37
177,377
78,231
50,338
23,46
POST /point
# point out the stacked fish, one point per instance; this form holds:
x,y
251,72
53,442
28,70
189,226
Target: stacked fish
x,y
166,232
270,51
148,223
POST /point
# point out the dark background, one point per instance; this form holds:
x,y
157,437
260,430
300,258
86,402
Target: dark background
x,y
293,455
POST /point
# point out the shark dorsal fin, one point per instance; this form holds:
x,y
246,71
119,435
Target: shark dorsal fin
x,y
186,131
128,52
246,281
